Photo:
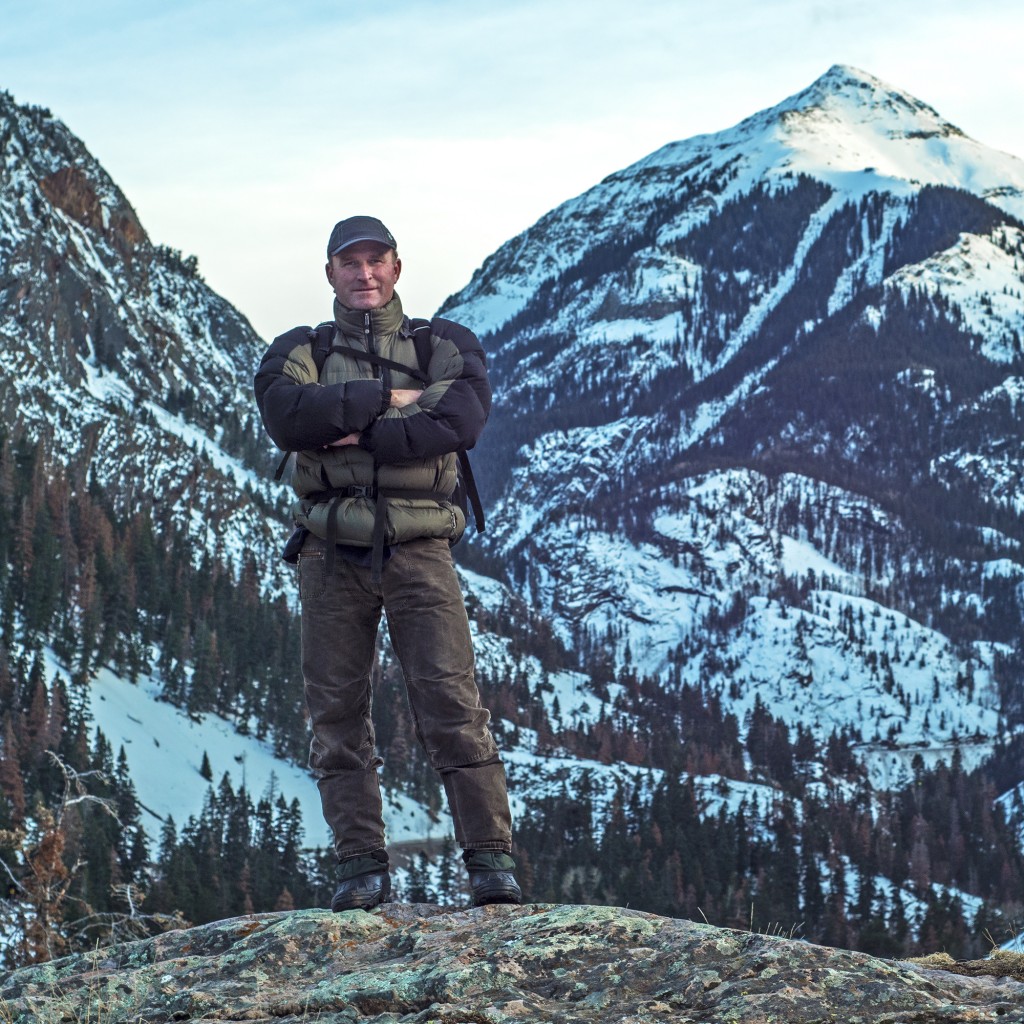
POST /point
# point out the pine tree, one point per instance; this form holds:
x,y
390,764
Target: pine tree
x,y
448,889
12,790
418,886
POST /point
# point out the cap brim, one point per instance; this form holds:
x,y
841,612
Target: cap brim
x,y
356,241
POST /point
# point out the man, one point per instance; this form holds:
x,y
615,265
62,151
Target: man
x,y
376,467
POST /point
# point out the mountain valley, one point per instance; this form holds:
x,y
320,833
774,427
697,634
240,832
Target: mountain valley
x,y
748,607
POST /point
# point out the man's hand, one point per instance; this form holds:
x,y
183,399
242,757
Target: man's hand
x,y
401,397
347,439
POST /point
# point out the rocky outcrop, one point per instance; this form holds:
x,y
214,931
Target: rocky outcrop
x,y
414,962
70,190
119,358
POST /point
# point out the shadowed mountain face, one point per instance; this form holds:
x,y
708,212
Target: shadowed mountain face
x,y
764,381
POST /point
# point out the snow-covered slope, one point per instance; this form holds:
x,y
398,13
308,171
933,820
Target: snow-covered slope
x,y
761,385
756,438
118,354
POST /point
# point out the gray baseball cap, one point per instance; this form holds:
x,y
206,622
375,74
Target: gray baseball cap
x,y
359,229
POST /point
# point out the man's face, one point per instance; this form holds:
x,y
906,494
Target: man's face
x,y
364,275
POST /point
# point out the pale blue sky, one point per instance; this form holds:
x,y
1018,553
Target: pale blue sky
x,y
241,131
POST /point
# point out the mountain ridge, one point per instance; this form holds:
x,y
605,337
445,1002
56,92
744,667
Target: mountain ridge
x,y
123,321
720,346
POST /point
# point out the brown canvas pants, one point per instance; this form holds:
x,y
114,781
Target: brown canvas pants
x,y
429,631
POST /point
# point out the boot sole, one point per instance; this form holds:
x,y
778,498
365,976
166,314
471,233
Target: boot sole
x,y
481,898
360,904
361,899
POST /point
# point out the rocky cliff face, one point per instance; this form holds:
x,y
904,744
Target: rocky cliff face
x,y
416,962
118,357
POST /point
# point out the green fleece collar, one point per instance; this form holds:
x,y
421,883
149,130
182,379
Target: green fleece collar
x,y
384,321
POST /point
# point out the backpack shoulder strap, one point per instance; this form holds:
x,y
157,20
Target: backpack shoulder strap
x,y
421,330
321,338
421,339
472,493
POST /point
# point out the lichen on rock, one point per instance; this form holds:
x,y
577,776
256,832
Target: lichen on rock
x,y
420,963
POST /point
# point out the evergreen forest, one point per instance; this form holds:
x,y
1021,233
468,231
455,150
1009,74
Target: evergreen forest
x,y
833,860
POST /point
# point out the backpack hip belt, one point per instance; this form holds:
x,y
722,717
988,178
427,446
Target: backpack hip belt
x,y
379,496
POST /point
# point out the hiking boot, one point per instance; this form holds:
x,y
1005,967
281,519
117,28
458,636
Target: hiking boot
x,y
365,882
492,878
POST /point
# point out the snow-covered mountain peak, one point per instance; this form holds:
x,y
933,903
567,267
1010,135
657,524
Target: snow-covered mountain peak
x,y
44,160
766,362
848,130
847,92
857,134
844,96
